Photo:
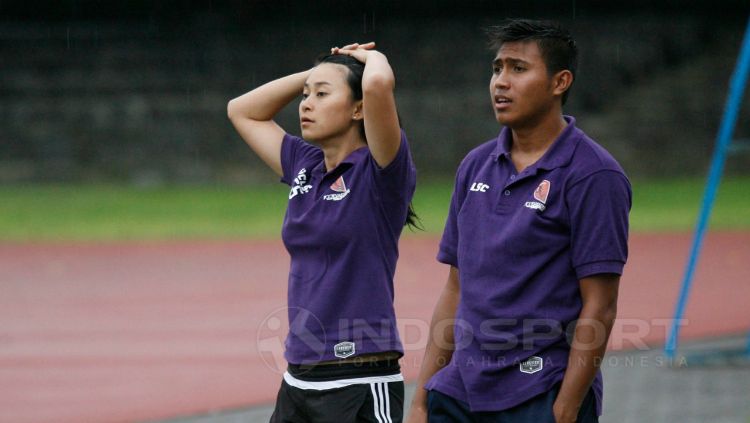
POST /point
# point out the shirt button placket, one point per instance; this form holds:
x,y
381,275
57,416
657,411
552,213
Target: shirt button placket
x,y
503,203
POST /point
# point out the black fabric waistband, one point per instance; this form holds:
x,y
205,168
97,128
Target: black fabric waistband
x,y
337,371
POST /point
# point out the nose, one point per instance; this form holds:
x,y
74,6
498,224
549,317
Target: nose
x,y
304,105
501,80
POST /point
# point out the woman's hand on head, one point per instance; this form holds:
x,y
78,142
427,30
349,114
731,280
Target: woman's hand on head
x,y
355,50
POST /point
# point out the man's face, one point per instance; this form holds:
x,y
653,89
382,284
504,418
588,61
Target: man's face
x,y
520,88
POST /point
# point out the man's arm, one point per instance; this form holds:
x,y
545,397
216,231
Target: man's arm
x,y
440,345
599,295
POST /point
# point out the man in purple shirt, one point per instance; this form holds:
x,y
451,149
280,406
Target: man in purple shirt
x,y
536,238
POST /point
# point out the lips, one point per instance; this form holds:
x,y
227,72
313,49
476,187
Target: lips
x,y
305,120
502,102
500,99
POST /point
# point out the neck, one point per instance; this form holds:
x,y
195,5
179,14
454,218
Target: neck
x,y
536,137
336,148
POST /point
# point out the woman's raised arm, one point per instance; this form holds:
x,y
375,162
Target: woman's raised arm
x,y
378,103
252,115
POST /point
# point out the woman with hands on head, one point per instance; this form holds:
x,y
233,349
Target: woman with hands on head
x,y
352,180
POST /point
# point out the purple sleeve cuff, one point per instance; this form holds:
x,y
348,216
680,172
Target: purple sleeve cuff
x,y
599,267
287,158
447,257
402,157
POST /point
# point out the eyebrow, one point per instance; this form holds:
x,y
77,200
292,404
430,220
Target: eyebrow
x,y
499,60
318,83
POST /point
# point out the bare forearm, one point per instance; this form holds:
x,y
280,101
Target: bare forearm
x,y
264,102
586,353
439,348
382,126
378,74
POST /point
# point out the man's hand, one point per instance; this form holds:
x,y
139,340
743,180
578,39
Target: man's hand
x,y
564,411
417,414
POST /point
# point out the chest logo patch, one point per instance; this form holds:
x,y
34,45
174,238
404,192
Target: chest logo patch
x,y
542,191
300,185
341,190
531,365
540,195
344,349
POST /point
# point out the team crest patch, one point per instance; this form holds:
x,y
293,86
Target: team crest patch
x,y
542,191
531,365
339,185
540,195
341,190
344,349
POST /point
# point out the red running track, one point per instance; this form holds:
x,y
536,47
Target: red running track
x,y
144,331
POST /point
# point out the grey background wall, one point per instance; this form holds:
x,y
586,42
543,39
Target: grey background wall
x,y
137,91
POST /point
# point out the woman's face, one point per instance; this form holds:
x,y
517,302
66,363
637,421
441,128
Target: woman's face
x,y
327,108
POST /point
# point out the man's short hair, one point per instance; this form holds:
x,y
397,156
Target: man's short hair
x,y
557,46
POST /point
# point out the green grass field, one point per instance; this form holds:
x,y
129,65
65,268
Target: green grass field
x,y
103,212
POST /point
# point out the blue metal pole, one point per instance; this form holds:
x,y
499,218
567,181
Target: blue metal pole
x,y
724,139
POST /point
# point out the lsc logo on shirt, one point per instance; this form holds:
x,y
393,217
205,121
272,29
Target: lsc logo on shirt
x,y
479,187
300,185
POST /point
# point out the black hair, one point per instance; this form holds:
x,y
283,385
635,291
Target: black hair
x,y
356,70
354,79
557,46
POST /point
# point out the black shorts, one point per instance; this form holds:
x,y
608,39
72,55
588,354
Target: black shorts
x,y
370,395
372,402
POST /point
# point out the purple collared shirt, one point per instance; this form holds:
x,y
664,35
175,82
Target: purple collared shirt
x,y
341,229
521,243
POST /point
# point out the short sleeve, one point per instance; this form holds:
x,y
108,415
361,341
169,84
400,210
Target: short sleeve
x,y
599,205
400,176
294,150
448,251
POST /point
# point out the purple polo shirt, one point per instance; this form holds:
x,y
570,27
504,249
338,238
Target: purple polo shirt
x,y
521,243
341,229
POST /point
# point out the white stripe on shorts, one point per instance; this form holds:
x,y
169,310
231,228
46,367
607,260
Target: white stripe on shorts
x,y
333,384
387,403
381,402
375,402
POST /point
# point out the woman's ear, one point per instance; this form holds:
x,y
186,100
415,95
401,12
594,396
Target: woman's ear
x,y
357,114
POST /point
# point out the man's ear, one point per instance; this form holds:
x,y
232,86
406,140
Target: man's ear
x,y
561,82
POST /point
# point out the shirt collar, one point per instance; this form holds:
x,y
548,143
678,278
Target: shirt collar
x,y
350,160
502,149
557,155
